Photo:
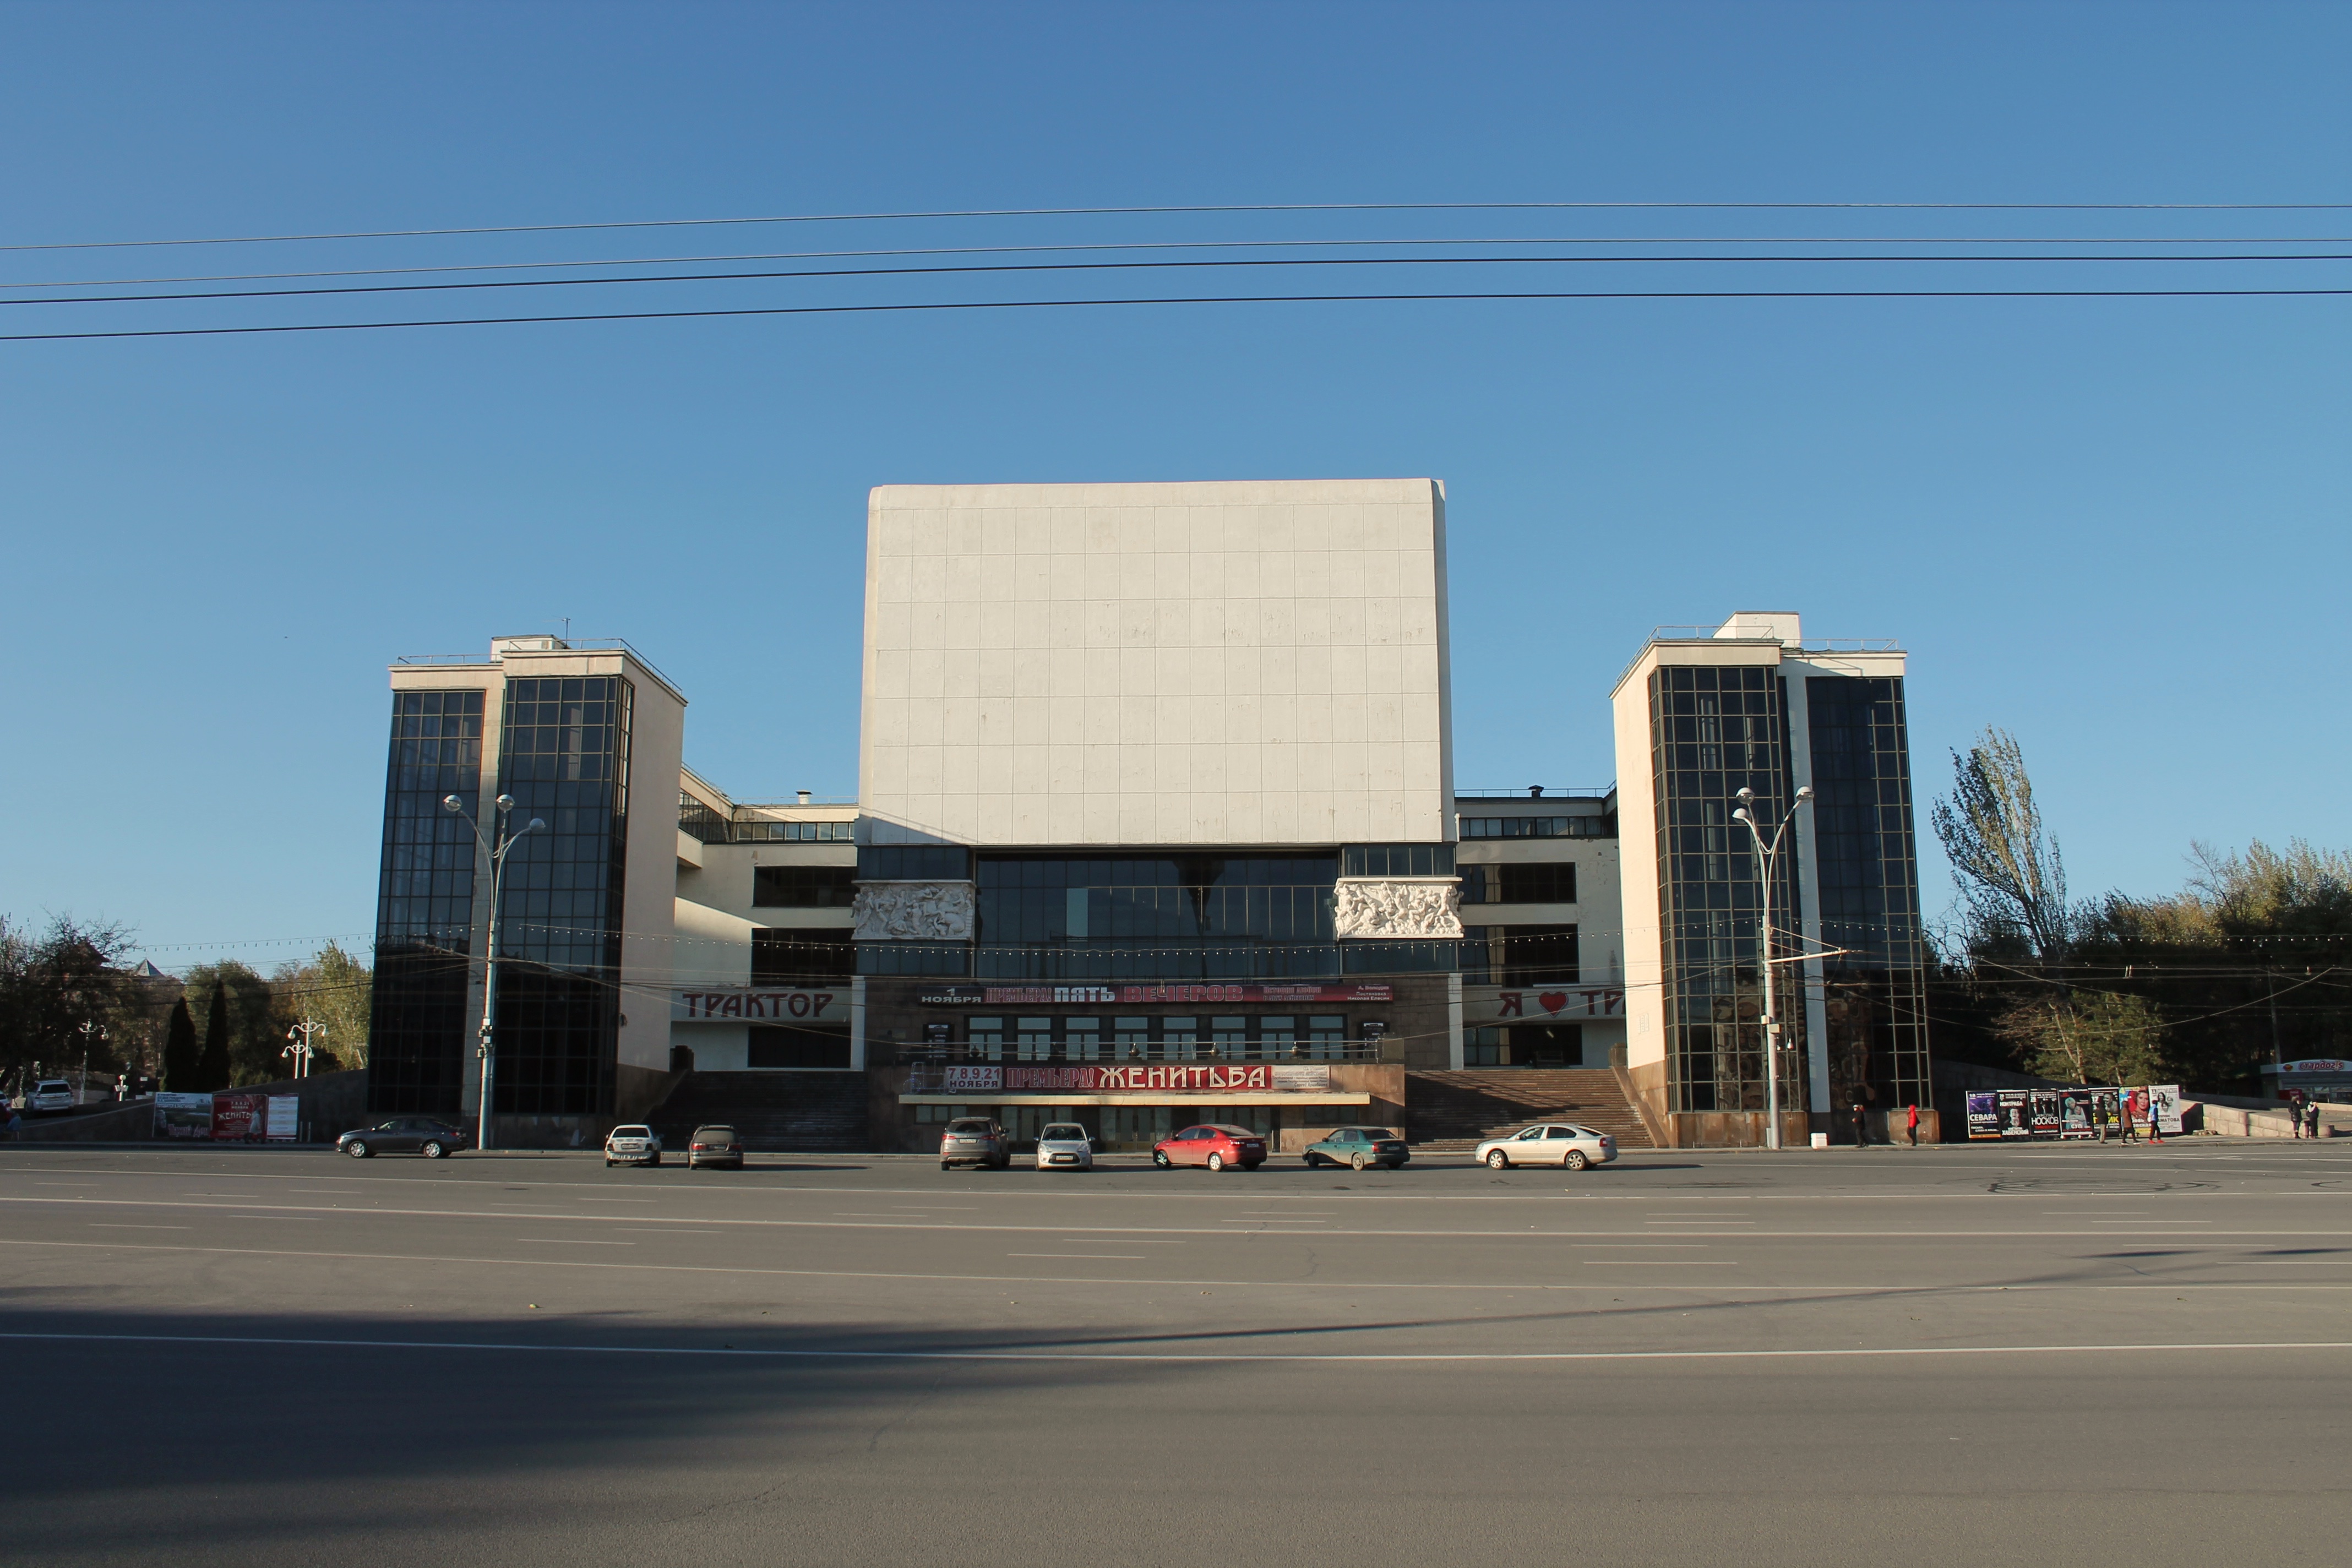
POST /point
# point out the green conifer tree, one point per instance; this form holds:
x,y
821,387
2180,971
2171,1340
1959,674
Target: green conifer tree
x,y
180,1051
212,1068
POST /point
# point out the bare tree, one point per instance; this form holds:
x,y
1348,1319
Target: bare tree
x,y
2010,872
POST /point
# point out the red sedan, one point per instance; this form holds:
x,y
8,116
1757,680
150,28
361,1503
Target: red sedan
x,y
1216,1145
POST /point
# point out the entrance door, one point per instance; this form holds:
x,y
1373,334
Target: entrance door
x,y
1547,1045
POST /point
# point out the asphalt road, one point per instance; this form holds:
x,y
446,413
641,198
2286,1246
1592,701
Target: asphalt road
x,y
2058,1353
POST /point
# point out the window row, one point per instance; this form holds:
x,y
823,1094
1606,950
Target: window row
x,y
1086,1039
804,887
1540,882
1538,826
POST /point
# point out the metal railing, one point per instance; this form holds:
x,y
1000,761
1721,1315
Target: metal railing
x,y
1572,792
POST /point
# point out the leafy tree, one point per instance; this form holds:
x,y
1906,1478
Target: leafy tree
x,y
2012,875
52,984
180,1050
333,989
253,1042
2252,959
2089,1037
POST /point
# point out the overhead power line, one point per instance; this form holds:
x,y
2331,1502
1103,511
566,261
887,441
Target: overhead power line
x,y
1205,207
1194,263
1196,299
1172,245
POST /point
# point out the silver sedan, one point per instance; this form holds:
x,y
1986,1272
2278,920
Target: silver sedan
x,y
1549,1144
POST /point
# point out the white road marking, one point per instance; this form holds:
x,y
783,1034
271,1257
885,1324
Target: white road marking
x,y
1845,1352
1846,1287
1118,1256
1659,1263
2148,1228
101,1225
567,1241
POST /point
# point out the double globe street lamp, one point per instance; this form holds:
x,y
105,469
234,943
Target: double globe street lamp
x,y
1766,864
506,841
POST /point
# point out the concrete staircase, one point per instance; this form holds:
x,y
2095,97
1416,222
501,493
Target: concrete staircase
x,y
807,1112
1449,1112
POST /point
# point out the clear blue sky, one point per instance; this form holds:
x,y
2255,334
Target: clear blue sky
x,y
2116,526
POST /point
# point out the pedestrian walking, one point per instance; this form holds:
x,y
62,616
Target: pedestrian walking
x,y
2154,1121
2295,1111
1911,1122
1861,1126
2122,1112
2311,1116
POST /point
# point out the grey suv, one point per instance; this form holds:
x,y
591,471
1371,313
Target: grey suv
x,y
975,1140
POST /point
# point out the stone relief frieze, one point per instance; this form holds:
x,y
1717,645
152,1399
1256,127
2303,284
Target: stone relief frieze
x,y
1397,907
913,912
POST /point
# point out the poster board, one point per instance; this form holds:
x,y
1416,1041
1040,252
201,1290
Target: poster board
x,y
184,1116
1984,1115
285,1119
239,1117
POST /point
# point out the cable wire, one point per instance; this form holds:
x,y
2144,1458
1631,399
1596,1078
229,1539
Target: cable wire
x,y
992,268
1157,245
1194,300
1206,207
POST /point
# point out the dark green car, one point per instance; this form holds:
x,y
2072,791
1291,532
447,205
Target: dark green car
x,y
1358,1147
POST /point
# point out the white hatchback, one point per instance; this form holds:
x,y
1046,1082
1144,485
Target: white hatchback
x,y
1065,1146
632,1145
1549,1144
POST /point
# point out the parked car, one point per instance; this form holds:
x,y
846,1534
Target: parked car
x,y
1214,1145
714,1146
975,1140
1358,1147
49,1096
405,1135
1550,1143
1065,1146
633,1145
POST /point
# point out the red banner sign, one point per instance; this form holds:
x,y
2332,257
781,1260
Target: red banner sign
x,y
1153,1078
1123,995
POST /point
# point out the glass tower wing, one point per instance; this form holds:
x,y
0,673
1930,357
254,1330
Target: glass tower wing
x,y
1714,731
1866,856
564,757
418,1022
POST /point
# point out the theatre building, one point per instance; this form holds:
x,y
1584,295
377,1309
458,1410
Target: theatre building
x,y
1156,824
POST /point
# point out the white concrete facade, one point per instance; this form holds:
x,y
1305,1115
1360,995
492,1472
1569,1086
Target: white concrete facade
x,y
1257,662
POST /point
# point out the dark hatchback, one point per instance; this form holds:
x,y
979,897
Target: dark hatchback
x,y
405,1135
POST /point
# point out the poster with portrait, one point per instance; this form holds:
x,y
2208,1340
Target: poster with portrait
x,y
2043,1113
2164,1107
1984,1114
2015,1120
2075,1111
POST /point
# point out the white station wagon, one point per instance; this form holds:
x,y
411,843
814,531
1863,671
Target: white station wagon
x,y
1549,1144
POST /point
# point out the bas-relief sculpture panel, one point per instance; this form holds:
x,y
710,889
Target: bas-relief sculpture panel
x,y
1397,907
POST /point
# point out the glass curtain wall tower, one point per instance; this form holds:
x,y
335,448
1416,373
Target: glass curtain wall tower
x,y
1701,713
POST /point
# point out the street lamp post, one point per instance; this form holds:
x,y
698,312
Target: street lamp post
x,y
506,841
90,1028
1767,863
302,1050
